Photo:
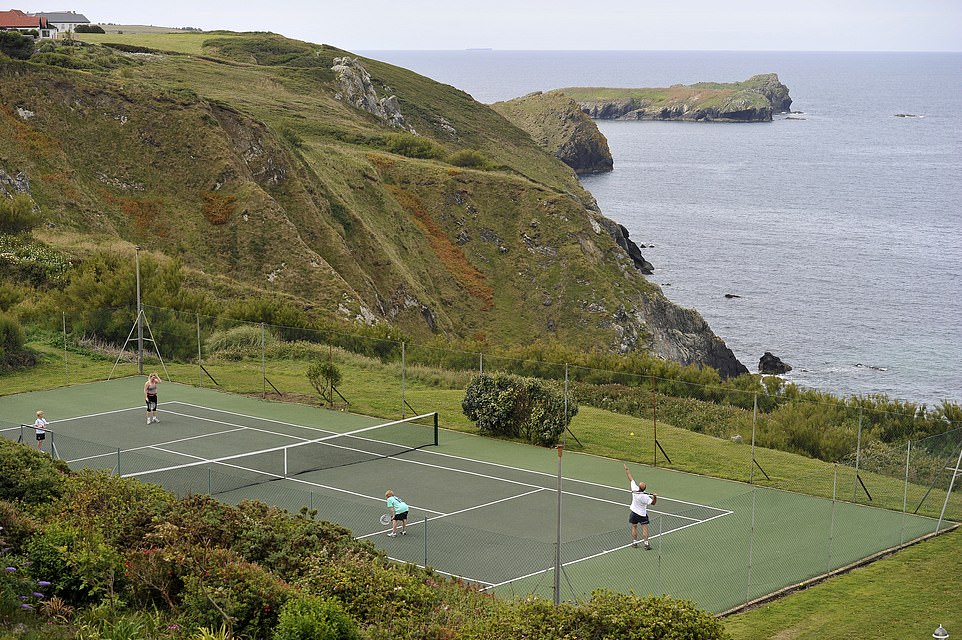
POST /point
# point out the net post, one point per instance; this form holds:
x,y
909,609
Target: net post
x,y
436,428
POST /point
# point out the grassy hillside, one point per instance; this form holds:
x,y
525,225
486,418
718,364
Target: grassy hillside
x,y
232,153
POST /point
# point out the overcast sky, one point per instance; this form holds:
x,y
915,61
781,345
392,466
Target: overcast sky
x,y
744,25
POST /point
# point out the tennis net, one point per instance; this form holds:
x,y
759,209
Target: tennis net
x,y
240,470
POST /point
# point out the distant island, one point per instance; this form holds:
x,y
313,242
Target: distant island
x,y
560,121
754,100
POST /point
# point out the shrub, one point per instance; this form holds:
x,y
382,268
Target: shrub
x,y
307,617
11,340
17,214
468,158
516,407
324,377
89,28
412,146
15,45
238,340
221,588
28,476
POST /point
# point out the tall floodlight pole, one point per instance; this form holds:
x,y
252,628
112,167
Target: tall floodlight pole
x,y
140,326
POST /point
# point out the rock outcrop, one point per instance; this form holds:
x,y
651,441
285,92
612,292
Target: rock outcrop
x,y
355,87
770,364
754,100
557,124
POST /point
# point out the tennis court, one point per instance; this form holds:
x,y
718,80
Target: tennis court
x,y
483,510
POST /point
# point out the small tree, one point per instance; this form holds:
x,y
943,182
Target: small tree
x,y
324,377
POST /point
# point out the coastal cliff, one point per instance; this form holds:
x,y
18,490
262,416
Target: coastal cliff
x,y
558,125
350,189
754,100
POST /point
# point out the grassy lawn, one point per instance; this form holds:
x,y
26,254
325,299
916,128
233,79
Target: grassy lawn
x,y
904,596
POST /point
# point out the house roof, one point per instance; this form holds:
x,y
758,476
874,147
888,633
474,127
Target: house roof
x,y
18,19
63,16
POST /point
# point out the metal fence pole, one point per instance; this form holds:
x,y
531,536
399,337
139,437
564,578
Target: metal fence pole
x,y
905,491
403,357
66,369
858,454
425,541
831,532
955,473
200,358
118,462
751,539
751,467
263,366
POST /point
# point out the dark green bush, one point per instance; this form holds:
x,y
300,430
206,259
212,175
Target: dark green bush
x,y
221,588
515,407
15,45
306,617
89,28
62,60
28,476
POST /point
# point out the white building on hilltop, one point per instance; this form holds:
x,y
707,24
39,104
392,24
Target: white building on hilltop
x,y
64,21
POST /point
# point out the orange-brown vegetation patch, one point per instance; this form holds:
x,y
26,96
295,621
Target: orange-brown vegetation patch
x,y
449,254
218,208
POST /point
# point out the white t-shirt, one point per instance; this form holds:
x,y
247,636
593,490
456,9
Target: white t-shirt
x,y
40,425
639,500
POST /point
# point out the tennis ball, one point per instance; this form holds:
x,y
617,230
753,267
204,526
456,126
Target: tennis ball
x,y
632,433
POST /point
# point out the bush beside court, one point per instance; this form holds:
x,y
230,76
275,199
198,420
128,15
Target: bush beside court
x,y
90,555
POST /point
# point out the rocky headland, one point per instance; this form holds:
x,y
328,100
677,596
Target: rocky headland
x,y
754,100
559,126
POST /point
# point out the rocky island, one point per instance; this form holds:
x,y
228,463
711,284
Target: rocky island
x,y
754,100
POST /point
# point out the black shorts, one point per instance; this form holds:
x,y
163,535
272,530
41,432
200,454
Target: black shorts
x,y
151,403
41,436
634,518
401,516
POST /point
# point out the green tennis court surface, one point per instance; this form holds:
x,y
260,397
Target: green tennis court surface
x,y
483,510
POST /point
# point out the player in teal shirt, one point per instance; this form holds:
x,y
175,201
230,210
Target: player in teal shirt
x,y
399,513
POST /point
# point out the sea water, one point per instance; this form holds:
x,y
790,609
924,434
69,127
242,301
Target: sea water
x,y
831,237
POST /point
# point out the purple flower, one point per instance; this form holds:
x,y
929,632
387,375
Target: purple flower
x,y
43,583
173,627
37,595
26,606
21,597
10,569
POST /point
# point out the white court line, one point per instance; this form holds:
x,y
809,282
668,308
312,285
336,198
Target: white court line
x,y
278,477
602,553
168,442
454,513
243,415
465,459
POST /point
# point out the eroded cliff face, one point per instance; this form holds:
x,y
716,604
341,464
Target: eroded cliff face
x,y
559,126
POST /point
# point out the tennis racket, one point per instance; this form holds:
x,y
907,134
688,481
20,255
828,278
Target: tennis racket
x,y
386,519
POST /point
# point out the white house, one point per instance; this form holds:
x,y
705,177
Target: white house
x,y
63,21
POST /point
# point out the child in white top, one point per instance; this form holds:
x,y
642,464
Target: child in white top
x,y
40,424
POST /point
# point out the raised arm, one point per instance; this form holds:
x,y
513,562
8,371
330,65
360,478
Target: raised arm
x,y
628,473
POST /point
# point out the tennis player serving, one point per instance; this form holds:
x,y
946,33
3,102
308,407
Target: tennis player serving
x,y
639,510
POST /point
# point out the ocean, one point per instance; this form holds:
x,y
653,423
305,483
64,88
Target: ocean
x,y
835,233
